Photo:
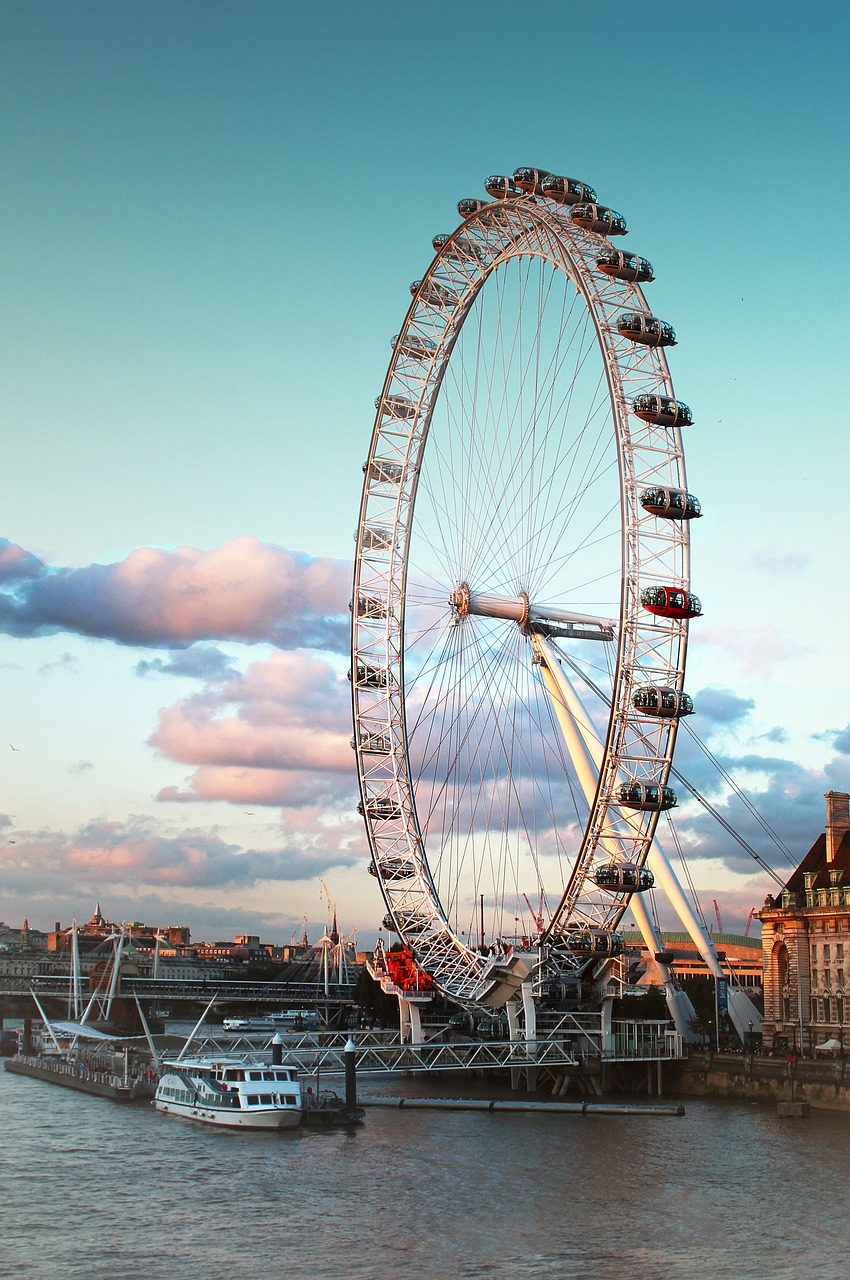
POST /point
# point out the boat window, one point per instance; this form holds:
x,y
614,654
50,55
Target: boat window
x,y
253,1100
255,1075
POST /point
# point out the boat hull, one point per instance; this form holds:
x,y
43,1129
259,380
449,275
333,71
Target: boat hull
x,y
256,1118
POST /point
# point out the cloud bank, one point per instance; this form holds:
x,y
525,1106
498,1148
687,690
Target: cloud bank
x,y
245,590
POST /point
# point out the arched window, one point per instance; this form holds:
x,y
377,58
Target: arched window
x,y
815,1009
839,1008
827,1009
782,971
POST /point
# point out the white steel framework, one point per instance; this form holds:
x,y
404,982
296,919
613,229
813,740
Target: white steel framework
x,y
501,536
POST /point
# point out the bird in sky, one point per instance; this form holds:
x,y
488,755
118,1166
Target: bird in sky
x,y
14,748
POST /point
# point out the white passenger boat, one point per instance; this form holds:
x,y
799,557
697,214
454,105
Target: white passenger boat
x,y
292,1020
230,1091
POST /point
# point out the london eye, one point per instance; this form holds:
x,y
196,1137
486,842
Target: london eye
x,y
521,595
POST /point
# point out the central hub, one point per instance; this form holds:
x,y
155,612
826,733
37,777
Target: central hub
x,y
549,619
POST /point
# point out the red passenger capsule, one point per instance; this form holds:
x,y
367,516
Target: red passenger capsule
x,y
670,602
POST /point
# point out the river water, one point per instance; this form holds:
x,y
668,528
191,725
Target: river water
x,y
94,1190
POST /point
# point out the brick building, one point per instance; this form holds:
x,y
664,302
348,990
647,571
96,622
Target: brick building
x,y
806,941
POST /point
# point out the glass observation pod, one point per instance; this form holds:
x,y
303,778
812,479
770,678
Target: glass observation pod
x,y
649,331
531,180
567,190
382,471
392,869
395,406
663,411
371,607
409,923
500,187
655,700
664,957
434,294
595,942
372,677
374,743
459,250
376,538
671,504
470,205
671,602
381,808
414,347
625,266
623,877
646,796
596,217
389,924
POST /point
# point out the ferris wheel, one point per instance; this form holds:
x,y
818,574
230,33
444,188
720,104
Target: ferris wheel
x,y
521,589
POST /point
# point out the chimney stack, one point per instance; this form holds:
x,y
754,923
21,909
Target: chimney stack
x,y
837,821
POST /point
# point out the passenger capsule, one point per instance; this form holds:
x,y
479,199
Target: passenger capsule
x,y
646,796
567,190
373,743
382,471
370,607
469,206
459,249
595,942
656,700
392,869
646,330
371,677
389,924
500,187
410,922
380,808
413,347
598,218
670,602
376,538
623,877
671,504
625,266
434,294
662,411
531,180
395,406
664,957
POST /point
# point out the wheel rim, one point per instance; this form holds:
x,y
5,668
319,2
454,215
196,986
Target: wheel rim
x,y
505,463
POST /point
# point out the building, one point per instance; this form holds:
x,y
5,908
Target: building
x,y
806,941
739,955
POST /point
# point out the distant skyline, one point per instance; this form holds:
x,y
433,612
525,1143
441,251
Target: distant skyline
x,y
211,217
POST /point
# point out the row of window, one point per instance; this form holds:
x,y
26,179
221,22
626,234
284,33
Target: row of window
x,y
826,952
833,1010
827,978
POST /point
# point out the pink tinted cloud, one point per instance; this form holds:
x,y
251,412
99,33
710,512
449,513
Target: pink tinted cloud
x,y
244,590
277,735
140,853
757,650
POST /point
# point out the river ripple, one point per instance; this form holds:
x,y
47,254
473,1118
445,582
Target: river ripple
x,y
98,1191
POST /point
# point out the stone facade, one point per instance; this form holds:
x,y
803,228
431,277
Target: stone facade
x,y
806,942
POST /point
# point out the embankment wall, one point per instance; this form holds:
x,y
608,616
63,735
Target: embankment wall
x,y
824,1084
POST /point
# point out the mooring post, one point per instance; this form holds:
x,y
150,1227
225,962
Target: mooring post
x,y
277,1049
350,1076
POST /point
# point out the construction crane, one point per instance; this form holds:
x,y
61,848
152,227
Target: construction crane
x,y
537,916
717,916
749,922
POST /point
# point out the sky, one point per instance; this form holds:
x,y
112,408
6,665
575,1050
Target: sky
x,y
211,215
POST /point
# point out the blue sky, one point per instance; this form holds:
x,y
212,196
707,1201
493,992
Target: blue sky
x,y
211,214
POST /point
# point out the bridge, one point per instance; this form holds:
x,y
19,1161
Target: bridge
x,y
175,991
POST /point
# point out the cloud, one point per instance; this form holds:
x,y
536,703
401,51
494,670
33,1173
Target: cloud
x,y
198,662
79,767
245,590
841,740
722,706
65,662
139,852
757,650
770,560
